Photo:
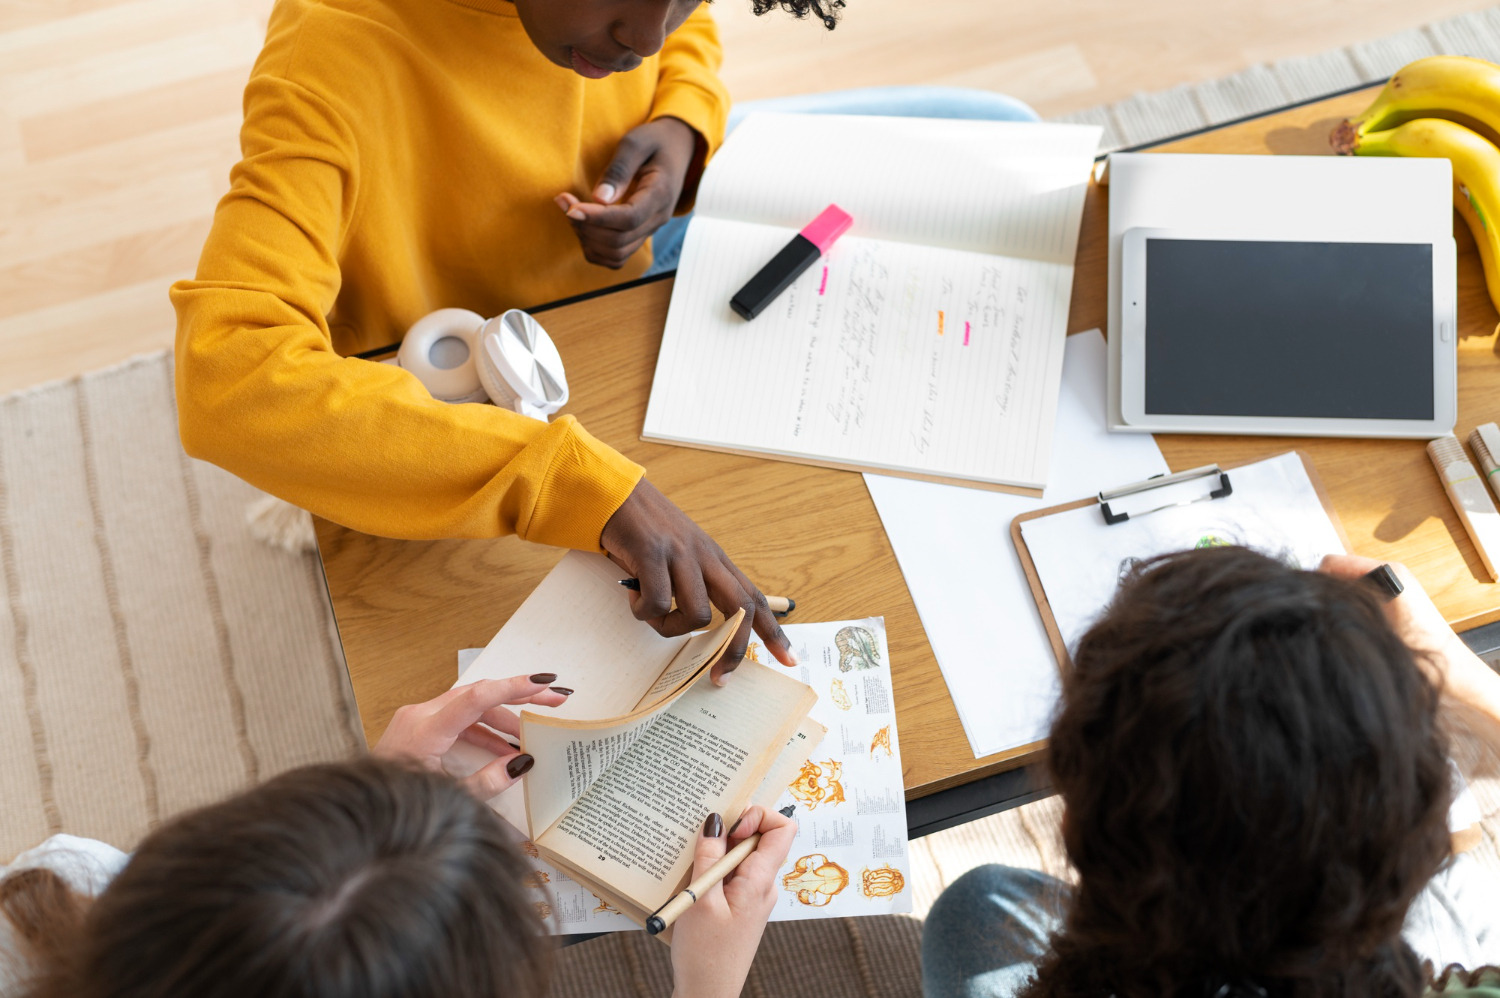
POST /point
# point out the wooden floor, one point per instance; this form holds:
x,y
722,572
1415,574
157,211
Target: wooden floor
x,y
118,119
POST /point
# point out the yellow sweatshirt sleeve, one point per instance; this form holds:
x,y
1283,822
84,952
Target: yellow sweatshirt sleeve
x,y
688,87
262,393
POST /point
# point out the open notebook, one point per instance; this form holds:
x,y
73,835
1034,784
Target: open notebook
x,y
928,342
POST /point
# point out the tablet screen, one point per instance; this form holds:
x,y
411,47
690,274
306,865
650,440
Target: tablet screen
x,y
1245,328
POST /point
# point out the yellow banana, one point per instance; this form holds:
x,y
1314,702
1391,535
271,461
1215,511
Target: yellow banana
x,y
1454,87
1476,177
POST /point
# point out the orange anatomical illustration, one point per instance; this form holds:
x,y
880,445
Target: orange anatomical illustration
x,y
814,786
881,883
816,879
536,878
530,849
543,910
839,695
604,907
881,740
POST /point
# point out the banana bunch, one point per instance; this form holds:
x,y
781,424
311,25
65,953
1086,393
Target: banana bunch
x,y
1445,106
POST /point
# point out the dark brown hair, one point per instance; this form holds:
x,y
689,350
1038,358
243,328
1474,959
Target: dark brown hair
x,y
1256,788
358,879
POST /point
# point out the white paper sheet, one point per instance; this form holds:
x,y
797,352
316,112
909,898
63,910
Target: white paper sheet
x,y
1273,509
850,856
928,340
955,551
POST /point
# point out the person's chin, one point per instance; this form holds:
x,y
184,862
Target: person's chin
x,y
584,68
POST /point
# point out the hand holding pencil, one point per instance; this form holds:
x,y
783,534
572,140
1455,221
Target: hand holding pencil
x,y
714,941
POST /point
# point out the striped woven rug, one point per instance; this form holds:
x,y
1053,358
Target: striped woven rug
x,y
153,656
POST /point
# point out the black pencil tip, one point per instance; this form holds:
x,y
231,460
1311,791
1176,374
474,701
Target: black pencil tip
x,y
655,926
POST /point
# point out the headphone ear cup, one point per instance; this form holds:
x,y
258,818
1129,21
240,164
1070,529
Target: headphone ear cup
x,y
494,385
454,384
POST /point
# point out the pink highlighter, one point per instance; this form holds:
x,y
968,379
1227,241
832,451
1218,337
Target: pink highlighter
x,y
802,252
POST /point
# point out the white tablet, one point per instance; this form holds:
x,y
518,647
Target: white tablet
x,y
1305,337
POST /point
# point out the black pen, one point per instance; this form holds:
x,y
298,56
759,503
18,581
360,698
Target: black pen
x,y
1384,579
780,605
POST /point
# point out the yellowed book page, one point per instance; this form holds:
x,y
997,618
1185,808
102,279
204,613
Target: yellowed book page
x,y
570,758
700,652
799,748
709,751
571,754
578,624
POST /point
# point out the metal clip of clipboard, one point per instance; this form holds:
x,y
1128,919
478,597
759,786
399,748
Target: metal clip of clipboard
x,y
1160,481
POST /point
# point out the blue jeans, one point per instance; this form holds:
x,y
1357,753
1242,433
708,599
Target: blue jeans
x,y
990,927
895,102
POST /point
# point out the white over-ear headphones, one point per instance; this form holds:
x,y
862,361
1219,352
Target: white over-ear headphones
x,y
509,360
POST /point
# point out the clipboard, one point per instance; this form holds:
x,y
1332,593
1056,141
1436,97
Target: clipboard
x,y
1216,490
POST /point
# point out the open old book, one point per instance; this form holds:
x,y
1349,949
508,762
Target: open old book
x,y
928,342
647,746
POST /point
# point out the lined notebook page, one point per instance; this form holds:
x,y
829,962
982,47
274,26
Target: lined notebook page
x,y
904,358
927,342
1013,188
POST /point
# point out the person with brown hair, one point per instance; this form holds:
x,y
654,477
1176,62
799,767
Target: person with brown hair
x,y
378,878
1254,768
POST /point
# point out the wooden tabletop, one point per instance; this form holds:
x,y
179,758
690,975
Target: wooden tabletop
x,y
405,607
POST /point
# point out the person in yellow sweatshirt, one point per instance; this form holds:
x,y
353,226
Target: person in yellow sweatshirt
x,y
401,156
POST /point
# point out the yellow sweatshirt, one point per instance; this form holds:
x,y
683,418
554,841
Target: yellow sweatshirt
x,y
402,156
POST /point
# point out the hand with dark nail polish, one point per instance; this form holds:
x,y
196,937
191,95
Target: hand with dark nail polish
x,y
563,690
423,733
714,941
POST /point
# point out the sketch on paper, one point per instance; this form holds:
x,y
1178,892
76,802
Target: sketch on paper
x,y
839,695
815,879
543,910
857,649
881,883
604,907
814,786
882,740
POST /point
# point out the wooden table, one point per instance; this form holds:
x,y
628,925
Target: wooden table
x,y
405,607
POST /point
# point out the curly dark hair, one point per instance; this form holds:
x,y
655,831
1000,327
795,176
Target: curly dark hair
x,y
1256,788
826,11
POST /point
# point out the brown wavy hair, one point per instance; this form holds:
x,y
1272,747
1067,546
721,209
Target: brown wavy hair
x,y
1256,788
356,880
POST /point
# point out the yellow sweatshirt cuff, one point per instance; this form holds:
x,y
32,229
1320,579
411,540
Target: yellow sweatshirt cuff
x,y
587,481
704,112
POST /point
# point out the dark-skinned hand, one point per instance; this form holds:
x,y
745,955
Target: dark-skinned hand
x,y
654,541
637,194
